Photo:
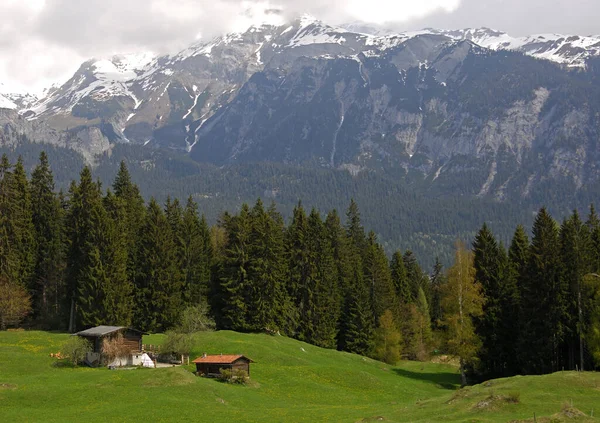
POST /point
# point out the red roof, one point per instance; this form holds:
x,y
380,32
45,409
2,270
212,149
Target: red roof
x,y
220,359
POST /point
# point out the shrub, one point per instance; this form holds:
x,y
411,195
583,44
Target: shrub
x,y
514,397
15,304
176,343
75,349
236,376
115,347
196,319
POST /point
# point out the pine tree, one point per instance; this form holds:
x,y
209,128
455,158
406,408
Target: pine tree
x,y
196,254
9,254
86,275
299,258
336,235
234,282
118,288
575,251
463,301
415,276
400,279
379,278
268,304
357,316
497,326
159,285
129,193
24,232
48,276
542,300
326,297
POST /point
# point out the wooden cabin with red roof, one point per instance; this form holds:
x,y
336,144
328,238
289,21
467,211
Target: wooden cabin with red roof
x,y
211,365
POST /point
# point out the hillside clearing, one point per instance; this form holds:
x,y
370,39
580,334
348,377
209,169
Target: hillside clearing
x,y
291,381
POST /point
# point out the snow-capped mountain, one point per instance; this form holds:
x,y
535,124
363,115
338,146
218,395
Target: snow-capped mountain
x,y
349,97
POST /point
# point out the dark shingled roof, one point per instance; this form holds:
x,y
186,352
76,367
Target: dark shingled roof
x,y
100,331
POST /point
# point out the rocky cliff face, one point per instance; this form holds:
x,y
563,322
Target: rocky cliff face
x,y
472,111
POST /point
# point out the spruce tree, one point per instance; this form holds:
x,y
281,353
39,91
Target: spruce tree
x,y
9,254
268,304
86,275
357,316
336,235
326,297
497,327
158,285
234,281
379,279
575,251
542,300
129,194
22,223
196,254
118,289
400,278
48,276
299,258
415,276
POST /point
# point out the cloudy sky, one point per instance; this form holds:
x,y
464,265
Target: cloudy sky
x,y
44,41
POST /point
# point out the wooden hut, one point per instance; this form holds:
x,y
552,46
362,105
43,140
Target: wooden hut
x,y
211,365
132,339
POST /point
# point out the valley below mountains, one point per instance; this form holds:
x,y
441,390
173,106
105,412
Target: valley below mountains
x,y
458,123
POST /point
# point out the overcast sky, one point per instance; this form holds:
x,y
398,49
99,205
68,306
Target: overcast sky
x,y
44,41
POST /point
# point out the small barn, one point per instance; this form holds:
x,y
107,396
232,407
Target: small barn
x,y
211,365
132,338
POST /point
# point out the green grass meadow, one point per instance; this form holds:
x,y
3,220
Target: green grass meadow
x,y
290,382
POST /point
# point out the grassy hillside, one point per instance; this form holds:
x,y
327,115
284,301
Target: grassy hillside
x,y
291,382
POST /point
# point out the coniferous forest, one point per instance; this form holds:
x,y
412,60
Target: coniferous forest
x,y
102,255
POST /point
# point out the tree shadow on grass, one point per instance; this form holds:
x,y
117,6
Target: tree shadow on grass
x,y
444,380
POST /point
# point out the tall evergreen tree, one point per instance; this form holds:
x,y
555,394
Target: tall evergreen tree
x,y
48,276
542,300
86,222
379,279
196,254
118,288
9,254
326,298
299,258
24,232
400,278
268,304
415,276
336,235
129,194
575,251
159,283
494,327
357,316
234,279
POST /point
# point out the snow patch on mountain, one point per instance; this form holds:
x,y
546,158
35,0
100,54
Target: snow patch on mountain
x,y
5,103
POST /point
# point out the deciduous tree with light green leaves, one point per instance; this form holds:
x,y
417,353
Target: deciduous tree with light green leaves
x,y
463,301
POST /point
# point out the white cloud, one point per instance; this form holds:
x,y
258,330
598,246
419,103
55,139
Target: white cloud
x,y
45,40
383,11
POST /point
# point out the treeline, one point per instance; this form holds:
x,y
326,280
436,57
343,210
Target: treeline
x,y
541,298
92,256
